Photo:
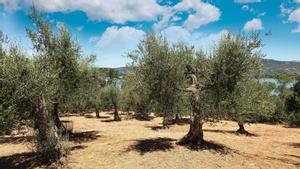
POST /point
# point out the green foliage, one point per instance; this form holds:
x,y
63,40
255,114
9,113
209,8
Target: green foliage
x,y
293,106
16,81
155,75
236,68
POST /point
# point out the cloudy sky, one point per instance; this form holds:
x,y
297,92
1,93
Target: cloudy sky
x,y
111,28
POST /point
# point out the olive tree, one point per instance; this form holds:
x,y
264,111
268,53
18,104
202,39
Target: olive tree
x,y
156,72
236,69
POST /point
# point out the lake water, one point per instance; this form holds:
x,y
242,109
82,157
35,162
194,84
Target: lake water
x,y
277,83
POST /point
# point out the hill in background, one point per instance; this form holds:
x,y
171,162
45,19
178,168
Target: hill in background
x,y
271,67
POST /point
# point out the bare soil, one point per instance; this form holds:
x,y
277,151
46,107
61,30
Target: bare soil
x,y
105,144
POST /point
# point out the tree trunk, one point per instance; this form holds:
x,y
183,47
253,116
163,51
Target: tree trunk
x,y
41,119
165,120
195,134
97,113
116,113
61,128
48,145
242,129
176,119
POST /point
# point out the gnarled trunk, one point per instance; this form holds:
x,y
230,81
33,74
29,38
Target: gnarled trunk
x,y
195,134
48,145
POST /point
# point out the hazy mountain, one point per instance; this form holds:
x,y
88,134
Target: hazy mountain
x,y
271,67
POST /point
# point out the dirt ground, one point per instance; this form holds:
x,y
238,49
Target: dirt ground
x,y
129,144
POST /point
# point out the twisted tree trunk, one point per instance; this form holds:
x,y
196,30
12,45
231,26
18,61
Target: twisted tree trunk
x,y
195,134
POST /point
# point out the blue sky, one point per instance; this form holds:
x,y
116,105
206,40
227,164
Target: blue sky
x,y
112,28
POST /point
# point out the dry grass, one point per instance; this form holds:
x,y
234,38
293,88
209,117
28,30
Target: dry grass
x,y
102,143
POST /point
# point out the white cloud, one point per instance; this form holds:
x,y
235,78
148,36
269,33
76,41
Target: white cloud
x,y
121,11
297,30
11,5
176,18
199,40
295,16
164,21
177,33
284,10
208,41
262,14
254,24
114,43
118,11
246,1
123,37
204,14
199,14
297,1
245,7
93,39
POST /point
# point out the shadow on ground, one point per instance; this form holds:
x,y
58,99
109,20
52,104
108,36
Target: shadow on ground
x,y
29,160
108,120
89,116
208,145
230,132
295,145
78,147
181,121
86,136
291,155
151,145
285,160
21,160
15,140
156,127
103,117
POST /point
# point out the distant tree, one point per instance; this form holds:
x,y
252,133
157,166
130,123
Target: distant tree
x,y
293,106
110,98
283,80
84,96
156,72
109,94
